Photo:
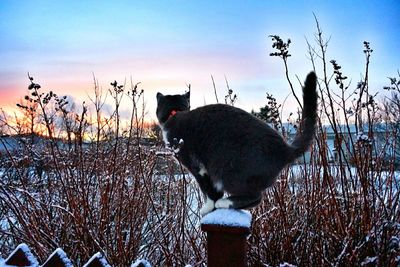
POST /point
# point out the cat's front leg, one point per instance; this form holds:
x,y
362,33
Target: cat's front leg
x,y
223,203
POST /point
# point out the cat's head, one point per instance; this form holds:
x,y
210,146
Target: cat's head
x,y
168,104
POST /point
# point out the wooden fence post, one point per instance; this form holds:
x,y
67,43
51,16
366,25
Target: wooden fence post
x,y
226,230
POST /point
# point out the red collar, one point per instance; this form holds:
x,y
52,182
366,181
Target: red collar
x,y
173,112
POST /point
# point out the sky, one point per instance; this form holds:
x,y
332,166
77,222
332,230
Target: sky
x,y
166,45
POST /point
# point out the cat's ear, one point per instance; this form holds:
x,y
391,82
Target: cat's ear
x,y
187,95
159,97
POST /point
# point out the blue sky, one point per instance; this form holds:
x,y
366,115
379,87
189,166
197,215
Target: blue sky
x,y
168,44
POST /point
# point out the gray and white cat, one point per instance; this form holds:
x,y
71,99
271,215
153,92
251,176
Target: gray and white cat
x,y
229,150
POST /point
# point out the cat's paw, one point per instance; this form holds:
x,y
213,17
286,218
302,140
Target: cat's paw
x,y
223,203
207,208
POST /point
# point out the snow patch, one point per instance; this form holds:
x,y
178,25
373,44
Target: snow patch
x,y
164,153
228,217
363,138
369,260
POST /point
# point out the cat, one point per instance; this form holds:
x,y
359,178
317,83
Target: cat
x,y
229,150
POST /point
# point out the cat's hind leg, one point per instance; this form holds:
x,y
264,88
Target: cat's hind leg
x,y
208,207
211,193
238,202
199,171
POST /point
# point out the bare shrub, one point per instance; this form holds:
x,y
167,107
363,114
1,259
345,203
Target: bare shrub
x,y
90,185
341,208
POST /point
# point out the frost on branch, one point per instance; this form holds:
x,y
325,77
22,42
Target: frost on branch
x,y
363,139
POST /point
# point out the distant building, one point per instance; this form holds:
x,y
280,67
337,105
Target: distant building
x,y
346,138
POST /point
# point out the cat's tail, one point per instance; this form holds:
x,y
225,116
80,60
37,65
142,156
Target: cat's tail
x,y
306,132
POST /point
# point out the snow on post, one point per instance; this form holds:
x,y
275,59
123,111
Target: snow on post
x,y
226,230
228,217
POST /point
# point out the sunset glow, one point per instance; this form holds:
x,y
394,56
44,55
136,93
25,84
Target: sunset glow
x,y
166,45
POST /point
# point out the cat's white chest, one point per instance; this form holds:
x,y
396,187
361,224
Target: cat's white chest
x,y
165,136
